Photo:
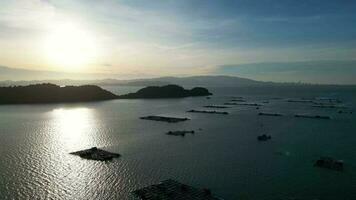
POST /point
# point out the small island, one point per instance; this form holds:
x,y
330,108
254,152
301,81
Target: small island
x,y
167,91
50,93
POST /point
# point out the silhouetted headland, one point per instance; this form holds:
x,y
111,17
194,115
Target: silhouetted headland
x,y
167,91
50,93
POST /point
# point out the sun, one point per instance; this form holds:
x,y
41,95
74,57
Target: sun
x,y
70,47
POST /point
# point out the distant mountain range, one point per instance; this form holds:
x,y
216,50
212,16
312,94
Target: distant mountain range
x,y
16,76
26,77
199,81
192,81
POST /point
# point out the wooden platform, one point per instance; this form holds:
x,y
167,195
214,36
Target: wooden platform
x,y
179,133
216,106
243,104
312,116
96,154
208,112
164,119
270,114
173,190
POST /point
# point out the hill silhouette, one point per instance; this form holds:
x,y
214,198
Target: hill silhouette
x,y
50,93
167,91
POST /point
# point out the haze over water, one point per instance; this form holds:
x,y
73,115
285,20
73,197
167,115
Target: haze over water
x,y
224,156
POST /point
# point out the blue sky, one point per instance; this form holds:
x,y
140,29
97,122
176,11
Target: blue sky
x,y
323,72
182,37
262,23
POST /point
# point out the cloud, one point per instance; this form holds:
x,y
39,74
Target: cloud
x,y
26,14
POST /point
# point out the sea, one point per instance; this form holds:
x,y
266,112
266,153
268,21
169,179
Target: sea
x,y
223,155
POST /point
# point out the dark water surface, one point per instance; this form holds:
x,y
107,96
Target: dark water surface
x,y
224,156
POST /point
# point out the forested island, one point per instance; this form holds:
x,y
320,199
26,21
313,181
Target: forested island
x,y
167,91
50,93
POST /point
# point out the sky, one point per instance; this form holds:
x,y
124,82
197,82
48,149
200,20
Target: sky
x,y
270,40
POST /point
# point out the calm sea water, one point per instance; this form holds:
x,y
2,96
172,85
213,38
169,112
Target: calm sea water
x,y
224,156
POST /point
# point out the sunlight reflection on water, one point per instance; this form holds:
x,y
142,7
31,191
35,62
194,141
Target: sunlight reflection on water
x,y
74,126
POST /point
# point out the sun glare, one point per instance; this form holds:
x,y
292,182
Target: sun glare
x,y
74,125
69,47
